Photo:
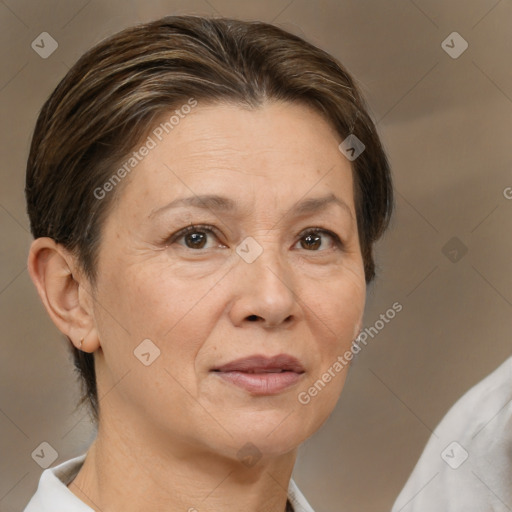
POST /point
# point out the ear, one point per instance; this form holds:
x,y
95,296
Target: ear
x,y
65,293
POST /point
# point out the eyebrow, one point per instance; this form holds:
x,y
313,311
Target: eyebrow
x,y
225,204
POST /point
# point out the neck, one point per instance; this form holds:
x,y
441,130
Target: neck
x,y
131,470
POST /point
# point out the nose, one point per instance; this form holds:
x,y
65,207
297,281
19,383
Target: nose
x,y
265,292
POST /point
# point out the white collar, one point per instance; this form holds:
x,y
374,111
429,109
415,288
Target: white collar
x,y
53,495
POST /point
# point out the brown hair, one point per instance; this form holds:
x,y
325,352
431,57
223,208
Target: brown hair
x,y
116,92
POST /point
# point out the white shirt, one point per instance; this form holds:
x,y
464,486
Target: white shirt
x,y
52,494
468,466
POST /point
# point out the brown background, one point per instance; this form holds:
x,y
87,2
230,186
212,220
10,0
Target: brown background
x,y
446,124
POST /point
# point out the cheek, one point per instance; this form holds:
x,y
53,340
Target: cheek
x,y
160,302
145,304
339,302
177,314
337,309
349,308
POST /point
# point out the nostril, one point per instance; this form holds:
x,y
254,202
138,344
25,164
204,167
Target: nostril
x,y
252,318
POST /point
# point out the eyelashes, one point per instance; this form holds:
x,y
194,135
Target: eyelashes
x,y
189,230
313,235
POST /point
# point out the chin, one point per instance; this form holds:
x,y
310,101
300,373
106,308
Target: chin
x,y
272,433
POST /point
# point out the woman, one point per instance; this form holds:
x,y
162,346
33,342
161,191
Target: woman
x,y
204,196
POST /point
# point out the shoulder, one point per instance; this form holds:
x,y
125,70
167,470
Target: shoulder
x,y
482,412
467,462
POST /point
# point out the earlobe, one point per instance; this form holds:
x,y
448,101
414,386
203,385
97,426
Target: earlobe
x,y
53,271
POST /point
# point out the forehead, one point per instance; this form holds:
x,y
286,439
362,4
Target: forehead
x,y
272,155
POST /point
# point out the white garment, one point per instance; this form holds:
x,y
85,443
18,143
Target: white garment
x,y
479,425
52,494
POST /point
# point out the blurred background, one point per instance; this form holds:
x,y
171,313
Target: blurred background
x,y
438,79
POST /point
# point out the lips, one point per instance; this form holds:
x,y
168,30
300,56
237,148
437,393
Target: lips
x,y
262,375
262,364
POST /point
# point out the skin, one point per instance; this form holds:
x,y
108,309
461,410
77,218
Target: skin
x,y
169,433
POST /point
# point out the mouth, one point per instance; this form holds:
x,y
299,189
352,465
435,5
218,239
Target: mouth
x,y
260,375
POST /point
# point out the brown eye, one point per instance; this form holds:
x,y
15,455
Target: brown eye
x,y
197,240
313,238
312,241
194,237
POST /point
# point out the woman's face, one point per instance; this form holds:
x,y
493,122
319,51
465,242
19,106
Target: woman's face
x,y
262,275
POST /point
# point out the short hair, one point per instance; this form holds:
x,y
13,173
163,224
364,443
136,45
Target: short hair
x,y
117,91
